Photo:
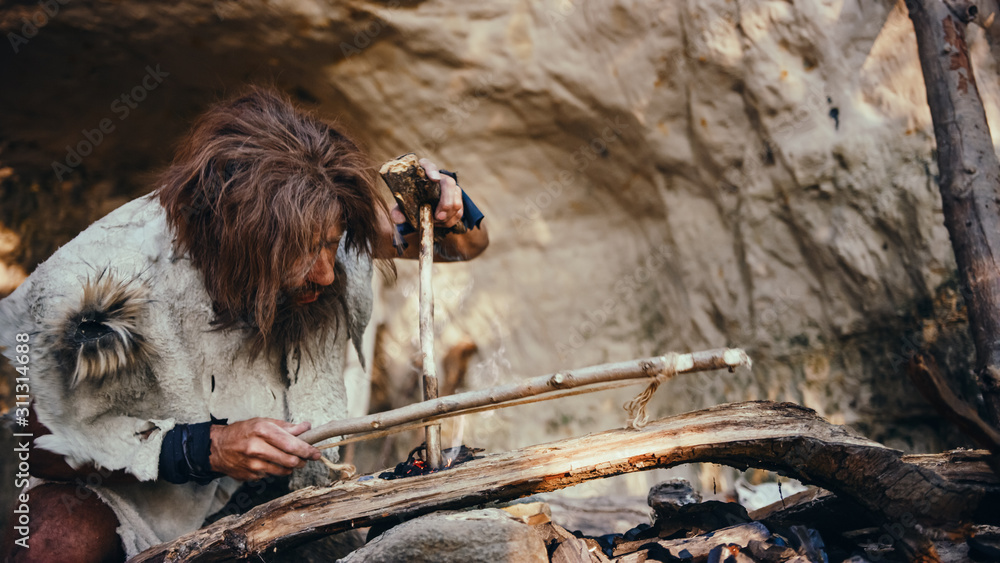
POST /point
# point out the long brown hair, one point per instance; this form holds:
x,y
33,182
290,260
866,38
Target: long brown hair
x,y
249,189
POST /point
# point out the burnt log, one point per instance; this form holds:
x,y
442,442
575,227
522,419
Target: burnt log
x,y
779,436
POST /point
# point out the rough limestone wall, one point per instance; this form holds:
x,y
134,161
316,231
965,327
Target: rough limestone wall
x,y
681,176
657,176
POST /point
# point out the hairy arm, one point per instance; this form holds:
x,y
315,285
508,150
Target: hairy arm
x,y
252,449
246,450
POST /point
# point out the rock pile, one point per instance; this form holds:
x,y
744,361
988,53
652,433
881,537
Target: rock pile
x,y
810,527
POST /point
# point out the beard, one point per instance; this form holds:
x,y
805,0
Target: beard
x,y
299,325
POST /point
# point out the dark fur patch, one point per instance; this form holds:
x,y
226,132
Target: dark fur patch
x,y
100,338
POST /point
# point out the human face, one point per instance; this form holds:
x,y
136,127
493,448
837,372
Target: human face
x,y
319,267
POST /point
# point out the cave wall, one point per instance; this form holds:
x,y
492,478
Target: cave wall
x,y
656,176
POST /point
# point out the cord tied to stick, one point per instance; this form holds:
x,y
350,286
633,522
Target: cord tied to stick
x,y
339,471
636,408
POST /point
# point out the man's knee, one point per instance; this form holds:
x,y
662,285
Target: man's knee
x,y
66,524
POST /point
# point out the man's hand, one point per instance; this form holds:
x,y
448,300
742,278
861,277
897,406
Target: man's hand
x,y
449,210
253,449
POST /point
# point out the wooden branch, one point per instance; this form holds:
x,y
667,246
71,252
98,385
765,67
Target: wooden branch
x,y
361,437
699,361
432,434
969,177
927,378
779,436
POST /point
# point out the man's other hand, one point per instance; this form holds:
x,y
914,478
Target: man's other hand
x,y
449,210
253,449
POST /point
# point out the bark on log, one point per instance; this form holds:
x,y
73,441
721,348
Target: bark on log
x,y
969,176
783,437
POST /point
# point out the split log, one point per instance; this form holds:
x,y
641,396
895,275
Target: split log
x,y
779,436
969,467
969,175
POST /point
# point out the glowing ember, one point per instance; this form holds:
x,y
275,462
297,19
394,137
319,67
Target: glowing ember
x,y
416,463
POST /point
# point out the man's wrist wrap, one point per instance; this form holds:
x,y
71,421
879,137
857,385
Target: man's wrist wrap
x,y
185,451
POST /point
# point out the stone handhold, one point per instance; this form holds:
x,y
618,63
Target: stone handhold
x,y
455,537
667,497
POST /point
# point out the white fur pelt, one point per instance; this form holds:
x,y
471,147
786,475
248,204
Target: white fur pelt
x,y
122,349
100,337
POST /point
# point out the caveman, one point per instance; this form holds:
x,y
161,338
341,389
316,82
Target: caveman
x,y
180,345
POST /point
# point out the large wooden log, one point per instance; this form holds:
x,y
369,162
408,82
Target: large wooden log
x,y
779,436
969,175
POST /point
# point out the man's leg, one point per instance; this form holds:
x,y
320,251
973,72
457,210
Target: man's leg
x,y
66,528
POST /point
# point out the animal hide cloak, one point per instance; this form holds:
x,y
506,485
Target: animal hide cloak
x,y
121,350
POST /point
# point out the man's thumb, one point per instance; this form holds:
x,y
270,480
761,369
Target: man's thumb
x,y
296,429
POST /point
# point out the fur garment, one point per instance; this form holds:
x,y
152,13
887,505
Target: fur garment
x,y
122,349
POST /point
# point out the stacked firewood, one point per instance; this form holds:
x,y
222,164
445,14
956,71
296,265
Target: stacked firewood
x,y
794,529
881,505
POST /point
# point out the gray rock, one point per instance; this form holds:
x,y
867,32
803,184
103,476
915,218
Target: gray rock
x,y
458,537
323,550
667,497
